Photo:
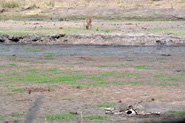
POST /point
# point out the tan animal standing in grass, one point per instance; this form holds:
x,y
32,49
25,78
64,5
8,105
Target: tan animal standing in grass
x,y
88,23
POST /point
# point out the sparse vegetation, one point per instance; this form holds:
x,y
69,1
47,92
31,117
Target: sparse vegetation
x,y
178,112
60,116
168,30
18,90
182,73
10,4
67,99
133,82
16,114
170,79
141,67
1,118
105,105
99,117
9,94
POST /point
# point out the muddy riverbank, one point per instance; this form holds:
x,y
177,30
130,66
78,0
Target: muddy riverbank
x,y
118,39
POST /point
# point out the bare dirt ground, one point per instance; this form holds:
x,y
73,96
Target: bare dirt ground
x,y
102,32
29,87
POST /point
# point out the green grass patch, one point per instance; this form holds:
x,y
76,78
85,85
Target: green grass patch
x,y
105,105
178,112
71,82
133,82
78,71
108,74
175,30
1,117
78,63
118,83
48,57
182,73
16,114
145,95
18,90
36,50
173,84
67,99
9,74
52,85
103,83
170,79
51,69
60,116
99,117
158,76
96,78
131,74
94,92
2,66
14,65
12,59
9,94
141,67
163,61
32,31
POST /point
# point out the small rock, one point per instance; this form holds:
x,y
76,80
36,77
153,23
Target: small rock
x,y
14,38
152,99
119,101
170,42
35,38
2,10
2,39
161,41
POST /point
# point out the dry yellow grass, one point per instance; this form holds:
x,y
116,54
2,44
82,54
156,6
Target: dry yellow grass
x,y
127,4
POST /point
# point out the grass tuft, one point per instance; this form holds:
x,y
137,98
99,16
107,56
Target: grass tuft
x,y
60,116
105,105
67,99
99,117
141,67
182,73
178,112
1,117
170,79
132,82
16,114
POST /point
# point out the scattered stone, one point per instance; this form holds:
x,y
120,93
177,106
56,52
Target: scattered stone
x,y
180,70
119,101
2,10
165,54
35,38
161,41
15,38
2,39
